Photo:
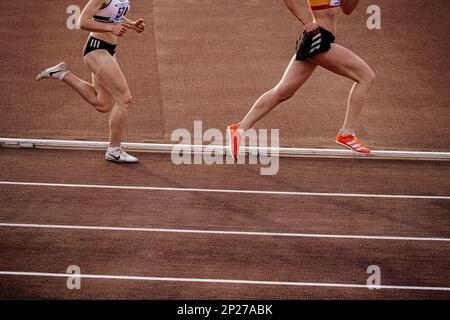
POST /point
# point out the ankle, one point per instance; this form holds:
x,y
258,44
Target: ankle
x,y
241,127
63,74
347,132
113,149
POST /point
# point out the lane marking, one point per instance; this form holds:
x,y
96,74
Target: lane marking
x,y
302,152
221,281
266,192
220,232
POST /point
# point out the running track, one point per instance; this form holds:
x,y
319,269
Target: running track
x,y
166,235
186,232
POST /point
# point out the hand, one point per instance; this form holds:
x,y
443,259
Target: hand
x,y
139,26
119,30
311,27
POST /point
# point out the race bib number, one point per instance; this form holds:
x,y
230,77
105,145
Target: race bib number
x,y
122,10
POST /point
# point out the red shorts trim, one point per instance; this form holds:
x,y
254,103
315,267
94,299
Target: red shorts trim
x,y
325,6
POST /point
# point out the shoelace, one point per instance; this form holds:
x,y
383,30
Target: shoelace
x,y
123,152
356,140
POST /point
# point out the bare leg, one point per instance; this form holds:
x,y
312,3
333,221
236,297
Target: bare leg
x,y
117,121
344,62
294,77
95,94
109,76
84,89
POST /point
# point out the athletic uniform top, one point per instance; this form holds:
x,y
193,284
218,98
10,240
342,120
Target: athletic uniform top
x,y
113,12
323,4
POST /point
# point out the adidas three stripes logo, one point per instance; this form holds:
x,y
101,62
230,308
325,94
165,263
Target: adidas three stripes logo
x,y
316,40
95,43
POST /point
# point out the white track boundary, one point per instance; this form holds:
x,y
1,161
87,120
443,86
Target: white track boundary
x,y
155,147
235,191
219,281
219,232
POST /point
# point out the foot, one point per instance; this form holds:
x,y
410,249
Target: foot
x,y
351,142
55,72
119,155
234,139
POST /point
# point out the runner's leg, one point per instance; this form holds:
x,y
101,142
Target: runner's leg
x,y
344,62
109,75
95,94
294,77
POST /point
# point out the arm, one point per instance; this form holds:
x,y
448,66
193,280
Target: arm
x,y
297,11
138,26
348,6
87,23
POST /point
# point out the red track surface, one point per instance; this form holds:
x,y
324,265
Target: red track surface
x,y
206,62
202,62
180,255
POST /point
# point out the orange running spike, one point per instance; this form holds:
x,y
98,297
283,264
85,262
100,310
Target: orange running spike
x,y
234,140
352,142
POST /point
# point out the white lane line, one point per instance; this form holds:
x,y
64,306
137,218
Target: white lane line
x,y
266,192
222,281
220,232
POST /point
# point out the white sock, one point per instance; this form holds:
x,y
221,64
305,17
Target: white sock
x,y
113,149
62,75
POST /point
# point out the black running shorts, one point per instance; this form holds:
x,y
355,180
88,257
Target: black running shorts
x,y
93,44
311,44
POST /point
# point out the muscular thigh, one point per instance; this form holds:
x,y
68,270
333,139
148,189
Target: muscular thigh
x,y
296,74
107,72
104,96
343,62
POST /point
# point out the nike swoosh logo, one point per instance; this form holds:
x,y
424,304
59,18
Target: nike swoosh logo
x,y
52,73
117,158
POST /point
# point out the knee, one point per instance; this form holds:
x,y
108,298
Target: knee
x,y
104,107
369,78
125,99
283,93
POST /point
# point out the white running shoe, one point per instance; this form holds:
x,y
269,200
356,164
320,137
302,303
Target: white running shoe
x,y
120,156
55,72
